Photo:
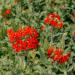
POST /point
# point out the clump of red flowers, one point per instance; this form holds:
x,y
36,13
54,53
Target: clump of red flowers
x,y
24,38
54,20
57,55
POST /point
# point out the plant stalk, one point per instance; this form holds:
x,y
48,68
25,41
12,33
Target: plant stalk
x,y
65,72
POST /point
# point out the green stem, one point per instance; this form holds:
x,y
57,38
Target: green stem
x,y
65,72
63,40
51,36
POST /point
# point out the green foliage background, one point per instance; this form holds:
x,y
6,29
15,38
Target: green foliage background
x,y
33,12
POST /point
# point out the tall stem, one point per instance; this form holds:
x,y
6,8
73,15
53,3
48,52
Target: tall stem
x,y
63,40
65,72
51,35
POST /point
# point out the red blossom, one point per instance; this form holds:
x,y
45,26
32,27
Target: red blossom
x,y
56,57
54,15
32,43
64,58
73,32
30,31
53,23
20,42
50,50
24,45
8,11
73,15
11,35
47,20
57,54
60,25
54,20
58,51
17,47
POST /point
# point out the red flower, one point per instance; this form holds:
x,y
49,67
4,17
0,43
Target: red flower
x,y
56,57
73,32
17,47
11,35
50,50
54,20
58,51
73,15
23,38
54,15
30,31
57,54
64,58
53,23
60,25
8,11
47,20
32,43
57,16
24,45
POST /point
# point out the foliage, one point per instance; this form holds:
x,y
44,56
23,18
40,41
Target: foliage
x,y
17,14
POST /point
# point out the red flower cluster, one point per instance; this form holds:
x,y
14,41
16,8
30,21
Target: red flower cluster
x,y
23,38
54,20
58,55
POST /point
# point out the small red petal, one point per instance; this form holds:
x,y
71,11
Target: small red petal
x,y
47,20
56,57
54,15
64,59
53,23
73,32
60,25
50,50
58,51
8,11
73,15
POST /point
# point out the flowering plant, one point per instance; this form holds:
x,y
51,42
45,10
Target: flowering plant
x,y
37,37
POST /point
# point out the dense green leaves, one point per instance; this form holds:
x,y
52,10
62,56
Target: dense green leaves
x,y
32,13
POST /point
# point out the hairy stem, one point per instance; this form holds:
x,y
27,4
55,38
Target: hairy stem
x,y
65,72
